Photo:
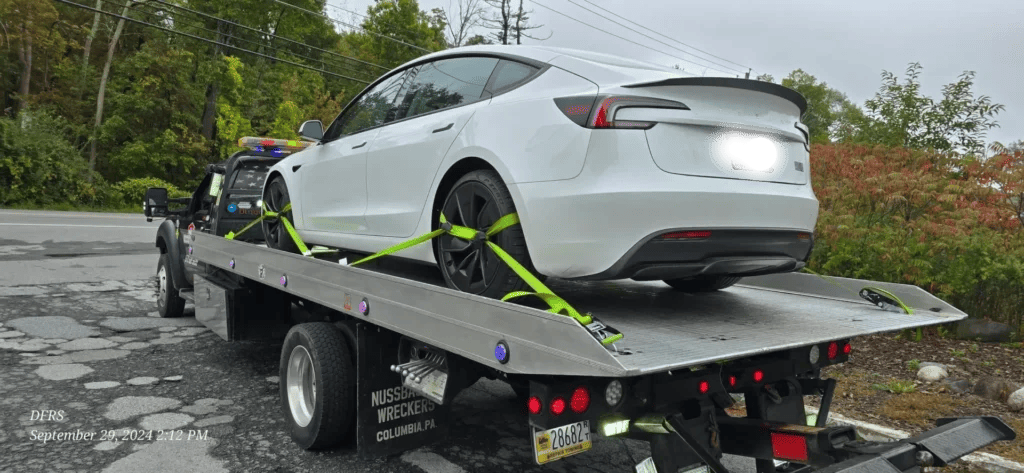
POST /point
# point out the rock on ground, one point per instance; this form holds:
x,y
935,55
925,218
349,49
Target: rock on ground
x,y
86,344
996,389
167,421
932,373
142,380
1016,400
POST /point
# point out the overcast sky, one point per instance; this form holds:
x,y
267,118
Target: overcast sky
x,y
846,44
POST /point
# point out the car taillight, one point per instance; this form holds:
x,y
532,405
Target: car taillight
x,y
704,387
580,400
687,235
534,405
847,349
592,111
758,376
558,406
789,447
833,350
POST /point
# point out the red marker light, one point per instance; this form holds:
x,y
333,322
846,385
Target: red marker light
x,y
534,405
558,406
580,400
687,235
847,349
704,387
789,447
732,381
758,376
833,350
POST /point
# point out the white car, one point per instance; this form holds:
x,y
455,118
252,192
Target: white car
x,y
617,169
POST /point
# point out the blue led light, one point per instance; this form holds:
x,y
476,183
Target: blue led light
x,y
232,208
501,352
277,152
259,149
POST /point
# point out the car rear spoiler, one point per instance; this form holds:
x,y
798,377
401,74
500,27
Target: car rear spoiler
x,y
748,84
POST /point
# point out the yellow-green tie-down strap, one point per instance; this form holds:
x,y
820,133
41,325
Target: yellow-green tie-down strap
x,y
603,333
875,295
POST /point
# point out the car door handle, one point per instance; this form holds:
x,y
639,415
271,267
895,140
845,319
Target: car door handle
x,y
444,128
360,145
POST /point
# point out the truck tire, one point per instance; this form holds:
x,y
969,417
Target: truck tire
x,y
168,303
477,200
275,197
318,385
703,284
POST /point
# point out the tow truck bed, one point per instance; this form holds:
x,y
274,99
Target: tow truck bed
x,y
664,330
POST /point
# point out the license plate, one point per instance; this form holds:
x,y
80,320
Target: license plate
x,y
561,442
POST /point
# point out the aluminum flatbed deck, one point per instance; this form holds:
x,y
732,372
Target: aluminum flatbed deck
x,y
664,329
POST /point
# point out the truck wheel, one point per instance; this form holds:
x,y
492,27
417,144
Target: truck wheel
x,y
318,387
275,197
168,302
703,284
477,200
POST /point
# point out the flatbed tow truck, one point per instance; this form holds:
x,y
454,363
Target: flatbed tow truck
x,y
382,352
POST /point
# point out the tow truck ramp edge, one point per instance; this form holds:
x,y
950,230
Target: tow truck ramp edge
x,y
668,382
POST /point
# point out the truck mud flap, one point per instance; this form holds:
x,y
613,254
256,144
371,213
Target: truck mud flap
x,y
390,418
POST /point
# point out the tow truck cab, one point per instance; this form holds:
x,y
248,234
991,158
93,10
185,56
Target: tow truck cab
x,y
227,198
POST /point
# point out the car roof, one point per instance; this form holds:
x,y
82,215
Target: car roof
x,y
547,54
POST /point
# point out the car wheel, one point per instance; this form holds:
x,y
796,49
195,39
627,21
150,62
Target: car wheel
x,y
169,304
477,200
275,197
702,284
318,384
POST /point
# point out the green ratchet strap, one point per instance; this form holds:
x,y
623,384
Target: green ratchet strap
x,y
287,226
875,295
604,334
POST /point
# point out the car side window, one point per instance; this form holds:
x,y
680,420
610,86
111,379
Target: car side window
x,y
372,109
510,74
445,83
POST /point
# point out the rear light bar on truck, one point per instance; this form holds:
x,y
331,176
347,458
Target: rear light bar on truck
x,y
598,111
737,378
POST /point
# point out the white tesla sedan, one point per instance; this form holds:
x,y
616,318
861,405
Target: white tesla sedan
x,y
617,169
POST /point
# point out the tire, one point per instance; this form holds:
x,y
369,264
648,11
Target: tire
x,y
318,385
477,200
275,197
703,284
168,303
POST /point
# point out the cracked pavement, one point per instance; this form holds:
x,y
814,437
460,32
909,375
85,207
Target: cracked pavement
x,y
94,380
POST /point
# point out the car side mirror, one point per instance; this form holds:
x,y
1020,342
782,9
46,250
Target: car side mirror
x,y
155,203
312,130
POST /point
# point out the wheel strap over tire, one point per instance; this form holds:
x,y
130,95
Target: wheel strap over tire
x,y
603,333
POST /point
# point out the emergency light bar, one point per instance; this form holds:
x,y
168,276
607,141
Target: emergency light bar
x,y
277,147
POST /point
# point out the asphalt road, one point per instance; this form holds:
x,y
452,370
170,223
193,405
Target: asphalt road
x,y
82,351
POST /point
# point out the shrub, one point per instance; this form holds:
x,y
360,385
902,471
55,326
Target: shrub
x,y
130,192
39,166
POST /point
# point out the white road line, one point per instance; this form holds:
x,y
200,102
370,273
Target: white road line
x,y
154,227
64,214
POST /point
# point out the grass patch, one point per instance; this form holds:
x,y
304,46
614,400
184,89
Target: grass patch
x,y
1014,345
958,353
914,365
897,386
918,408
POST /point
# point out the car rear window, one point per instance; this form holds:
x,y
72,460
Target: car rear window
x,y
250,177
511,74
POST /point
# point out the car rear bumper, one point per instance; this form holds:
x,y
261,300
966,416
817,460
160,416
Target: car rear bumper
x,y
602,224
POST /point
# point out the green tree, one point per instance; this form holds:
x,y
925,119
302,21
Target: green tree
x,y
824,104
398,31
900,115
